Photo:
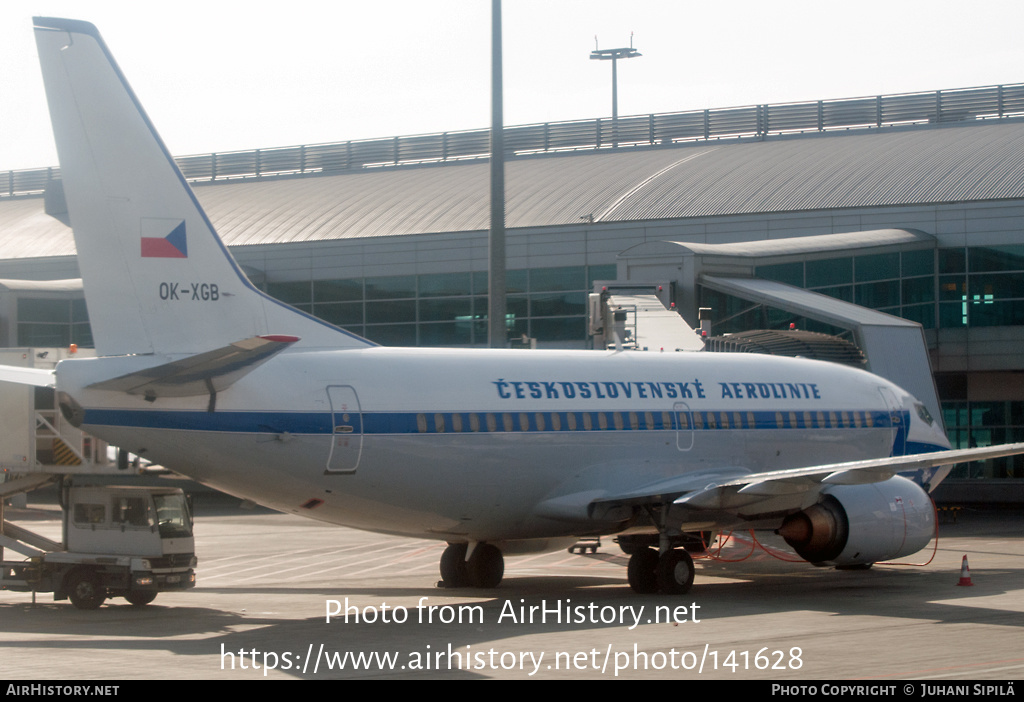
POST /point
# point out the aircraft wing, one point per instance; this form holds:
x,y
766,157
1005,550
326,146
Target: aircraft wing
x,y
753,494
201,374
733,496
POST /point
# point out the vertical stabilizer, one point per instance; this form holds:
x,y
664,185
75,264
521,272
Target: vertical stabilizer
x,y
157,277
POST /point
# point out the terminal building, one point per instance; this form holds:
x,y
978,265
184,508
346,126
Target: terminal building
x,y
894,221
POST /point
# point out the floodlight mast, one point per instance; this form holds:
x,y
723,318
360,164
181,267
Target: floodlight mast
x,y
497,330
614,55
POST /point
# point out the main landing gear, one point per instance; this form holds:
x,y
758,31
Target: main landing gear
x,y
484,568
670,572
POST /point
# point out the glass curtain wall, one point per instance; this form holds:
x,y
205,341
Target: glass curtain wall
x,y
53,322
450,309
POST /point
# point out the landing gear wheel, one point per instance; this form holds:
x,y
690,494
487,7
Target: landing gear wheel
x,y
84,590
453,566
486,566
141,598
675,572
642,568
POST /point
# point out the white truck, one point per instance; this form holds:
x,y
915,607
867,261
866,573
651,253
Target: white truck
x,y
130,542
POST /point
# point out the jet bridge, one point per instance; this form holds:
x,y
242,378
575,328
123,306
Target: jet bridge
x,y
639,317
895,348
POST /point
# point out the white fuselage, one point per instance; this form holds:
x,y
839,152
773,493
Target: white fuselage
x,y
464,445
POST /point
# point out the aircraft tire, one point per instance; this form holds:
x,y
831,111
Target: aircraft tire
x,y
675,572
84,589
642,571
453,566
486,567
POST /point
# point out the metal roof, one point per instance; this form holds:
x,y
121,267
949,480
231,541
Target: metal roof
x,y
981,160
26,231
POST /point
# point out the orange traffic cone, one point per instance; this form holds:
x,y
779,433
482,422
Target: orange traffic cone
x,y
965,573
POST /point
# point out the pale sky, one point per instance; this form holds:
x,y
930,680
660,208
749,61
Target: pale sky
x,y
221,75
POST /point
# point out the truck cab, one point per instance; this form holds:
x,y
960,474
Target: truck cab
x,y
149,530
118,541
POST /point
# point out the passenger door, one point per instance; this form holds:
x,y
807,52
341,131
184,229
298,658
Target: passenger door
x,y
347,430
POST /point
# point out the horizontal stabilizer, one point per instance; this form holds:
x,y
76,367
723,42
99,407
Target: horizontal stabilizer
x,y
201,374
40,377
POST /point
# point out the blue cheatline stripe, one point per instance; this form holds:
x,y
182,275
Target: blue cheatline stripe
x,y
391,423
188,420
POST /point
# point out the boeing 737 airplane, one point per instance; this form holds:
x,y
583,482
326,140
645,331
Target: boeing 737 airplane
x,y
495,452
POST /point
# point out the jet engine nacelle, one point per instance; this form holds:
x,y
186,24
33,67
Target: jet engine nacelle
x,y
862,524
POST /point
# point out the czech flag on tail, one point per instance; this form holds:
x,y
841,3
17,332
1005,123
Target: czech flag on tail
x,y
163,244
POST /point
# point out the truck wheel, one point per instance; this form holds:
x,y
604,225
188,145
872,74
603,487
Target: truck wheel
x,y
141,598
84,590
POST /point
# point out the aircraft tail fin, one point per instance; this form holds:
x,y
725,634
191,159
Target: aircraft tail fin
x,y
157,277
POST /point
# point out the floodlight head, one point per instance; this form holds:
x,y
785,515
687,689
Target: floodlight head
x,y
609,54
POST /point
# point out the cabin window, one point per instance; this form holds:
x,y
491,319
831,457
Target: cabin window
x,y
86,513
132,511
